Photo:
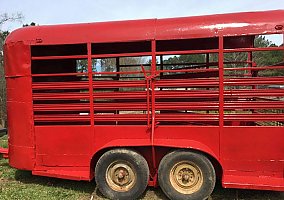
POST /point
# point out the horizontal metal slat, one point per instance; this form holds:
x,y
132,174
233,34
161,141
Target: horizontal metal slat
x,y
254,81
61,96
254,105
120,117
120,95
62,107
254,93
186,83
187,117
61,118
254,117
60,85
59,57
118,84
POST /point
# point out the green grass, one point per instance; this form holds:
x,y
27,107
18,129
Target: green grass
x,y
4,141
18,184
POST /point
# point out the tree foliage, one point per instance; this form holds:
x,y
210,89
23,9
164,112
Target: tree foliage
x,y
3,115
261,58
267,58
108,64
196,58
5,17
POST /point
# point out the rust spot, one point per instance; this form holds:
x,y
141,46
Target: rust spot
x,y
279,27
38,40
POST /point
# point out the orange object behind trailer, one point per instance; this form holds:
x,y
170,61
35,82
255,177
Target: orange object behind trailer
x,y
103,100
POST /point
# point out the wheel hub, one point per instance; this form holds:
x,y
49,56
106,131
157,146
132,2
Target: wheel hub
x,y
186,177
120,176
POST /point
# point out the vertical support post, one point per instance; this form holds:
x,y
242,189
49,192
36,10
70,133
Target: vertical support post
x,y
207,67
91,90
207,60
161,66
221,90
153,74
221,82
154,60
250,65
148,102
117,65
250,57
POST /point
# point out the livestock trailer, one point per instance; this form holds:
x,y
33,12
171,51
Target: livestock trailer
x,y
177,103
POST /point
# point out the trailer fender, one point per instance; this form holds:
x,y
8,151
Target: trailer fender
x,y
126,143
172,143
187,144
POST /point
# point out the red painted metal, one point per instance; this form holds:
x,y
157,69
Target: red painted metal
x,y
153,109
4,152
91,90
61,119
160,29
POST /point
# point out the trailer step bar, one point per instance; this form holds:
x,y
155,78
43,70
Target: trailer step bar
x,y
4,152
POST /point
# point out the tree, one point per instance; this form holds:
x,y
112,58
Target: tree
x,y
3,115
31,24
261,58
267,58
183,59
4,18
109,64
82,66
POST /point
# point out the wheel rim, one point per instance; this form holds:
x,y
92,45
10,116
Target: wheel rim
x,y
186,177
121,176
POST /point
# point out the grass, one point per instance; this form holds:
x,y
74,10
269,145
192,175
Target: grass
x,y
18,184
4,141
22,185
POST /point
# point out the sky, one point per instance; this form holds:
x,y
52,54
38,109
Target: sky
x,y
45,12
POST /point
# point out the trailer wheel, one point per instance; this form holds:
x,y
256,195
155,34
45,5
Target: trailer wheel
x,y
186,175
122,174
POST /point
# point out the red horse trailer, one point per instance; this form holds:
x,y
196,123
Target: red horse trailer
x,y
113,101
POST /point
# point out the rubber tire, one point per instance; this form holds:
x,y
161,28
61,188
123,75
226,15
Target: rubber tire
x,y
137,161
206,167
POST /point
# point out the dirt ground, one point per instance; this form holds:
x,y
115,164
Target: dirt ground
x,y
218,194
